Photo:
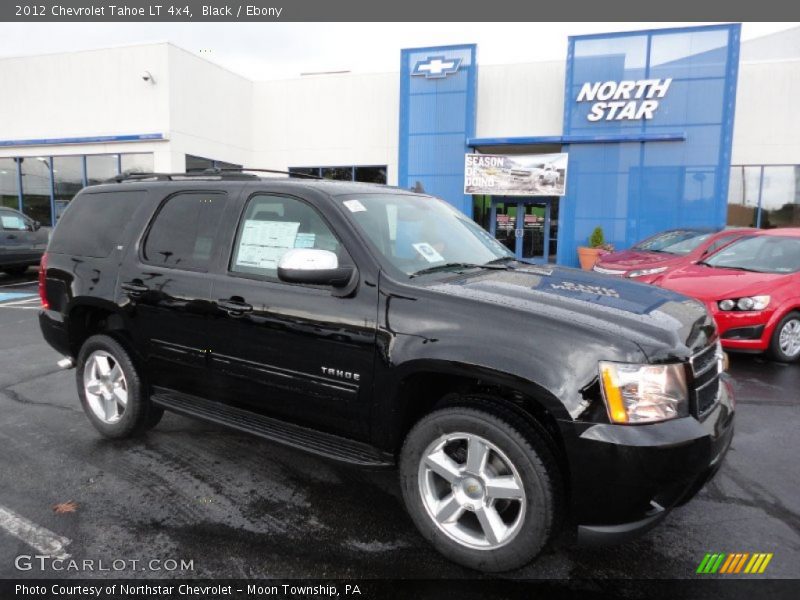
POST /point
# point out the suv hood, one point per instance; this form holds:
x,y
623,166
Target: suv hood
x,y
708,283
633,259
660,322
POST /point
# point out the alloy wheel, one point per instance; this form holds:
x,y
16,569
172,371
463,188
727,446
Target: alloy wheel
x,y
472,491
105,386
789,338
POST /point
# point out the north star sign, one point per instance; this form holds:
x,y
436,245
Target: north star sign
x,y
436,67
623,100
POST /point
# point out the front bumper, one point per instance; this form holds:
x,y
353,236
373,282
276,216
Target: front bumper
x,y
626,478
744,330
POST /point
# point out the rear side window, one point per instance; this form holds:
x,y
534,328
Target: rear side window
x,y
93,224
183,232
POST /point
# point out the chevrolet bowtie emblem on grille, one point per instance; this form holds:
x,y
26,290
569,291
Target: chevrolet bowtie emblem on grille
x,y
436,67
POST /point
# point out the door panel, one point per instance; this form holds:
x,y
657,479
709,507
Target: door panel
x,y
19,241
166,290
292,351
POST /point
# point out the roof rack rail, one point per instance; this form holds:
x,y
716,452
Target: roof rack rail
x,y
290,173
205,174
215,173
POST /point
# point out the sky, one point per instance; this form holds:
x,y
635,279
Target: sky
x,y
263,51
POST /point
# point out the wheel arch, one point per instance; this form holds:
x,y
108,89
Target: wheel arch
x,y
90,316
429,385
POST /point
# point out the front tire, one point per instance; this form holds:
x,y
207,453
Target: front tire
x,y
785,343
482,487
111,389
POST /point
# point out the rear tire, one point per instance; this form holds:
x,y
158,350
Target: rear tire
x,y
494,513
111,390
785,343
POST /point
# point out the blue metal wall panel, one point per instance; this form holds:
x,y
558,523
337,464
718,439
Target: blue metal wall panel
x,y
437,115
634,189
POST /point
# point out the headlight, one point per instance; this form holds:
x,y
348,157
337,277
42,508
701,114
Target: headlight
x,y
643,272
636,393
746,303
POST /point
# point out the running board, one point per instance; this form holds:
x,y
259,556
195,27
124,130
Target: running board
x,y
289,434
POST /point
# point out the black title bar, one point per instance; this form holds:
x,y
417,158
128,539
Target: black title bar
x,y
397,10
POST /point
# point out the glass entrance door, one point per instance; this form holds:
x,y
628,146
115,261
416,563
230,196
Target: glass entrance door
x,y
528,227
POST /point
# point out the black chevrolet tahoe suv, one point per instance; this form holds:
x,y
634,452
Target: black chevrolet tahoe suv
x,y
381,327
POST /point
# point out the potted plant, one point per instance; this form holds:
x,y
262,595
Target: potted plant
x,y
588,255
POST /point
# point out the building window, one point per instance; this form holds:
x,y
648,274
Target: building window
x,y
50,182
764,196
67,180
100,168
368,174
9,189
371,174
36,188
136,163
198,163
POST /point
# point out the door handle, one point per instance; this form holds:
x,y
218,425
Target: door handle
x,y
234,307
134,289
12,236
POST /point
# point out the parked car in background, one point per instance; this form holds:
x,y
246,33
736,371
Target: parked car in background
x,y
666,251
22,241
752,287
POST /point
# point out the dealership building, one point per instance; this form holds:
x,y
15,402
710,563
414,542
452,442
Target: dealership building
x,y
659,128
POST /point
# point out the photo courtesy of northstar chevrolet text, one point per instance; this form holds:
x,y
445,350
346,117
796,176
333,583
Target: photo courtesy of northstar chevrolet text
x,y
414,308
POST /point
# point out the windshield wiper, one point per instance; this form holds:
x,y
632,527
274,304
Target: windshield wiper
x,y
733,268
502,259
458,265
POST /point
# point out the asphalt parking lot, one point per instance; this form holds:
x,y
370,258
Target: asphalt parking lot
x,y
240,507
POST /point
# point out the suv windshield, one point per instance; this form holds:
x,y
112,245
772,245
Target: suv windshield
x,y
677,241
763,254
415,233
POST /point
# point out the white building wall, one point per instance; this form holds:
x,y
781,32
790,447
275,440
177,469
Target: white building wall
x,y
521,100
327,120
767,122
80,94
210,111
323,120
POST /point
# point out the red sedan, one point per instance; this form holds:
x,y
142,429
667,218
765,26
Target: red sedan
x,y
666,251
752,287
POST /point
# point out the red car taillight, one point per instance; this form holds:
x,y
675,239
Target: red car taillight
x,y
42,276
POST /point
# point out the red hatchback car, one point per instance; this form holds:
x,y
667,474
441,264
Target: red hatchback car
x,y
752,287
666,251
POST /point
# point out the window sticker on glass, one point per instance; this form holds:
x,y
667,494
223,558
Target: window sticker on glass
x,y
13,222
428,252
264,242
354,206
305,240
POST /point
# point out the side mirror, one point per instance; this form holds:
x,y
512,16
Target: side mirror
x,y
37,225
312,266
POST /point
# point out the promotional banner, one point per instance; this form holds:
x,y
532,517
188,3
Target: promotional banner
x,y
515,175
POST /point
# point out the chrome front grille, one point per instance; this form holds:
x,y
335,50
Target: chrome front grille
x,y
706,369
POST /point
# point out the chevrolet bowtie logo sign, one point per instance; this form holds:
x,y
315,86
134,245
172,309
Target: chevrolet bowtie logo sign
x,y
436,67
